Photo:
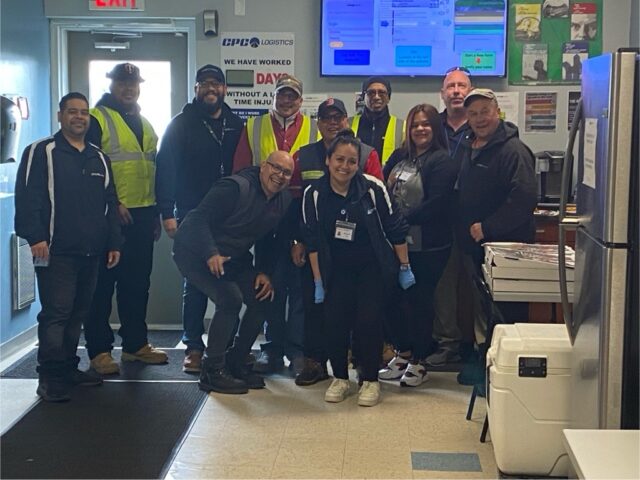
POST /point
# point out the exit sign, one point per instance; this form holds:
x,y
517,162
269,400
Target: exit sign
x,y
128,5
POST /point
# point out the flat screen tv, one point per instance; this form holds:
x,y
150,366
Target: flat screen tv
x,y
413,37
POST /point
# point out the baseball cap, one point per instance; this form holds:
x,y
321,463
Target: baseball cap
x,y
376,79
480,93
330,103
210,71
125,71
289,81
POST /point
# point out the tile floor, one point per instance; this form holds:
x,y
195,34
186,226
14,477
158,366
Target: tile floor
x,y
286,431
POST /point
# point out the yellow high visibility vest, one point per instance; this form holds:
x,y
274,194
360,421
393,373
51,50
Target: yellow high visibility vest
x,y
262,138
134,168
393,136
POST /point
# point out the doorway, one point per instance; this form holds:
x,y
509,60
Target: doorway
x,y
163,59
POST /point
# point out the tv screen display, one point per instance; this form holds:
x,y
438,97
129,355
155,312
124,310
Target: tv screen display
x,y
413,37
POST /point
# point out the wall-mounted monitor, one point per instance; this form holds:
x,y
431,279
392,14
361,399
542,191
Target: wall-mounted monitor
x,y
413,37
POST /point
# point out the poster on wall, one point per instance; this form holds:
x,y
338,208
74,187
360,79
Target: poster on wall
x,y
549,39
253,62
540,112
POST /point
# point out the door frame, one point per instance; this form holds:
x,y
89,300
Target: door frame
x,y
59,29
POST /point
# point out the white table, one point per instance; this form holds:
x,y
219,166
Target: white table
x,y
603,454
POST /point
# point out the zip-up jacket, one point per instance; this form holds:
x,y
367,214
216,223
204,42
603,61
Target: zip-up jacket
x,y
231,217
193,155
367,198
384,132
67,198
497,187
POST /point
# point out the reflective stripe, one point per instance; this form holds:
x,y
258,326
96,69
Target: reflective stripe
x,y
114,137
312,174
131,156
50,186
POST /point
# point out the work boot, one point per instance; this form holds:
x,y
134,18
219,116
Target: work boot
x,y
147,354
219,380
242,371
53,389
192,361
104,364
312,373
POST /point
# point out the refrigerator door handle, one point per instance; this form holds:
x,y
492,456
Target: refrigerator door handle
x,y
565,221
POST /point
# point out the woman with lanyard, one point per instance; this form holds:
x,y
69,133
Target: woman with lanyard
x,y
420,176
357,250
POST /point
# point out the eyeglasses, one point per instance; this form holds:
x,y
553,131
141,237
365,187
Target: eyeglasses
x,y
338,117
458,69
278,170
210,84
380,93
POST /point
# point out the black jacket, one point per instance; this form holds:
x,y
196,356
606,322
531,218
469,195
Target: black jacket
x,y
497,187
373,128
231,217
384,224
435,214
73,209
458,140
191,159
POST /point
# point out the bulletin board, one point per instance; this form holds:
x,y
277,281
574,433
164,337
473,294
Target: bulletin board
x,y
549,39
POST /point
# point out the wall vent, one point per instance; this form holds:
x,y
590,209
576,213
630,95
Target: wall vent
x,y
24,275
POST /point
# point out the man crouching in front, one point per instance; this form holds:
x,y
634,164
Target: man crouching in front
x,y
211,249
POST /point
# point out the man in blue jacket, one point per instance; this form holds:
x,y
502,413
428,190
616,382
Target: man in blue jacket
x,y
66,209
196,151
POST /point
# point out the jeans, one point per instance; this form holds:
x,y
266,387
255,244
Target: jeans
x,y
131,280
194,307
228,293
285,326
65,287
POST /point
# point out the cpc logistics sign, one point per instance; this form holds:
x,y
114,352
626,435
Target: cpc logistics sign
x,y
253,62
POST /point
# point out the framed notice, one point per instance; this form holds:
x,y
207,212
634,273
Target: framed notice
x,y
549,39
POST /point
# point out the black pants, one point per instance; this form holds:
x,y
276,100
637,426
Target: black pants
x,y
131,280
414,327
353,304
228,293
314,344
66,287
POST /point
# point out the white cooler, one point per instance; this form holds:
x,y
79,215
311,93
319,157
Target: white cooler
x,y
528,382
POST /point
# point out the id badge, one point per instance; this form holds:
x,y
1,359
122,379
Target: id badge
x,y
404,176
345,230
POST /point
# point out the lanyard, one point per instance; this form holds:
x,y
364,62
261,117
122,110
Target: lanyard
x,y
218,141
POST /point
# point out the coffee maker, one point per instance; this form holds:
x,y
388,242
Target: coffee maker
x,y
549,175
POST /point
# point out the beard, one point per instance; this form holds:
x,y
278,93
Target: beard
x,y
211,108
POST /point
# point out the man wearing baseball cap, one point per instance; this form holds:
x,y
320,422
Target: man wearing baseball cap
x,y
376,126
496,188
309,166
197,150
129,140
283,128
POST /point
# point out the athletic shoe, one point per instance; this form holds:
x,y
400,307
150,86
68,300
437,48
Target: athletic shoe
x,y
337,391
104,364
53,390
84,379
394,369
414,375
369,394
442,357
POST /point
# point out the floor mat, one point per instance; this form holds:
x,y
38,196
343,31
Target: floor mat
x,y
119,430
26,367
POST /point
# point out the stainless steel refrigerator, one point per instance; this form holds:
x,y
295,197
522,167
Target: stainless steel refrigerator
x,y
603,319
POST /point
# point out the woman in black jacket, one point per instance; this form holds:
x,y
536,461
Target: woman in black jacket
x,y
357,247
420,176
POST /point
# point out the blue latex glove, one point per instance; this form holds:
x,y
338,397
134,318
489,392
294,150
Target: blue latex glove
x,y
319,293
406,278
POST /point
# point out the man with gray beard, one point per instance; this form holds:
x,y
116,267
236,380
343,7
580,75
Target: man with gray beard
x,y
196,150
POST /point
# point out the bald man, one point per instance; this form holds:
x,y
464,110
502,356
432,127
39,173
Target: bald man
x,y
211,249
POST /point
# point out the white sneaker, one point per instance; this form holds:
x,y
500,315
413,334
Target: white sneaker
x,y
337,391
369,394
394,369
414,375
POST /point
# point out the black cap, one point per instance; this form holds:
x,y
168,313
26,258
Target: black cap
x,y
374,79
330,103
125,71
210,71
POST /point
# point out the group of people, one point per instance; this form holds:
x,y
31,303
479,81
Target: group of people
x,y
339,234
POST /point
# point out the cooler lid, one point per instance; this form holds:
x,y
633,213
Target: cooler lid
x,y
532,339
